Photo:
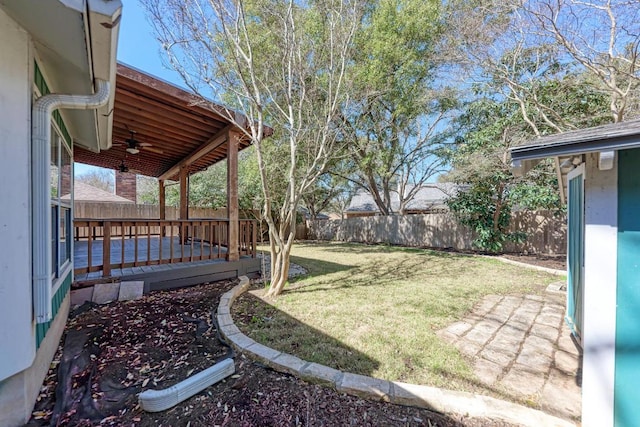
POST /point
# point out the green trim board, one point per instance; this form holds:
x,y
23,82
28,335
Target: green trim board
x,y
42,86
575,252
58,297
627,346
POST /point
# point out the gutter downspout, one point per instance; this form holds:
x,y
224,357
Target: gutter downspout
x,y
41,191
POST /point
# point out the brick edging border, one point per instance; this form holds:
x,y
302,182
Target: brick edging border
x,y
529,266
439,400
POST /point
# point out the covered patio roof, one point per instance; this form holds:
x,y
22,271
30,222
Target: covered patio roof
x,y
173,129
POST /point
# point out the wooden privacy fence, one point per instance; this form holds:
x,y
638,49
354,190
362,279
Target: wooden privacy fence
x,y
105,244
104,210
546,233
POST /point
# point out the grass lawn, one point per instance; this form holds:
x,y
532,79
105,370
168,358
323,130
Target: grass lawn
x,y
375,310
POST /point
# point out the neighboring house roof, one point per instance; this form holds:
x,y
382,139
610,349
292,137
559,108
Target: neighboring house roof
x,y
88,193
304,211
428,197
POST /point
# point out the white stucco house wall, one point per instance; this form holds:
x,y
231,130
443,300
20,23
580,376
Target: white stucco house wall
x,y
599,169
47,47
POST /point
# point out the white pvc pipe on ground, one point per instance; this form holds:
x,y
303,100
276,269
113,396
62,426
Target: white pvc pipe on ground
x,y
159,400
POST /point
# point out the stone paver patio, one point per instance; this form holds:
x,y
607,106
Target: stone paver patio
x,y
522,346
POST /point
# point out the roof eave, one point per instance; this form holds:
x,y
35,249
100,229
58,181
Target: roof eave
x,y
536,152
75,41
104,29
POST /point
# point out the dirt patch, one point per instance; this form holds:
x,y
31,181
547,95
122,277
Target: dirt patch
x,y
113,352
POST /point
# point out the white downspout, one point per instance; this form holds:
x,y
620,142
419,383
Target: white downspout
x,y
41,187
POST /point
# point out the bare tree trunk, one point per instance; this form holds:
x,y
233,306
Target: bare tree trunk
x,y
279,270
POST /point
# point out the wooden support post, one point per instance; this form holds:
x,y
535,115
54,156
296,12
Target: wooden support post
x,y
162,197
163,205
184,202
232,196
184,193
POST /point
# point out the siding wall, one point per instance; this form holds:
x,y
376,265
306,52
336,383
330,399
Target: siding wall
x,y
16,323
547,234
627,352
601,226
58,297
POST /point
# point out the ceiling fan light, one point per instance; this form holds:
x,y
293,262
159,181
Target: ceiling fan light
x,y
132,150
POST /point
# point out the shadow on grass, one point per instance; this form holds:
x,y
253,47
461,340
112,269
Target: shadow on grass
x,y
267,325
316,267
276,329
380,272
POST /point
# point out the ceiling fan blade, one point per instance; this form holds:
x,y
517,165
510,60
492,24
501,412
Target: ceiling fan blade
x,y
154,150
145,144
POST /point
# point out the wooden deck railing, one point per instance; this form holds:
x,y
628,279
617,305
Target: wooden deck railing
x,y
106,244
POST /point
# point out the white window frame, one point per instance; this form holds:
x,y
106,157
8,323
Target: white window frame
x,y
60,270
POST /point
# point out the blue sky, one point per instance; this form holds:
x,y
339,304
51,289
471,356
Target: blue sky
x,y
138,47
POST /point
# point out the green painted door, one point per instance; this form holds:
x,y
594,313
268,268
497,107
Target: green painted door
x,y
627,356
575,252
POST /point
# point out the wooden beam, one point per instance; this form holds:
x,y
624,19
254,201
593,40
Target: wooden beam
x,y
217,140
162,199
184,193
233,141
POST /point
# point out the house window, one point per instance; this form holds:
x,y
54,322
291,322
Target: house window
x,y
61,185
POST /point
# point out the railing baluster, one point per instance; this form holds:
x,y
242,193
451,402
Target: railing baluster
x,y
191,228
89,248
254,238
211,240
160,243
202,231
106,249
122,237
171,242
135,252
148,244
181,223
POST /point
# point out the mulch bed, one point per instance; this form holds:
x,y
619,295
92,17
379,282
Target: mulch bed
x,y
114,351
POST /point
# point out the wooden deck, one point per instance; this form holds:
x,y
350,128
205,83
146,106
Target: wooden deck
x,y
143,253
159,252
154,249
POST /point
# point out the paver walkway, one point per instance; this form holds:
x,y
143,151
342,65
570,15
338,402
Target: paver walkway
x,y
522,346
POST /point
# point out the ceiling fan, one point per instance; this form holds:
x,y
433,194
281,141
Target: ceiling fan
x,y
134,146
122,167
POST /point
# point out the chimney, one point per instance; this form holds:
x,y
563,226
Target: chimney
x,y
126,185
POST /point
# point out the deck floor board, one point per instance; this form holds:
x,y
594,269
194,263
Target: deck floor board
x,y
145,244
152,244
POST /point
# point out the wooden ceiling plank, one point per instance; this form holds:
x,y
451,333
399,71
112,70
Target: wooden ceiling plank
x,y
181,110
157,119
151,134
173,95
